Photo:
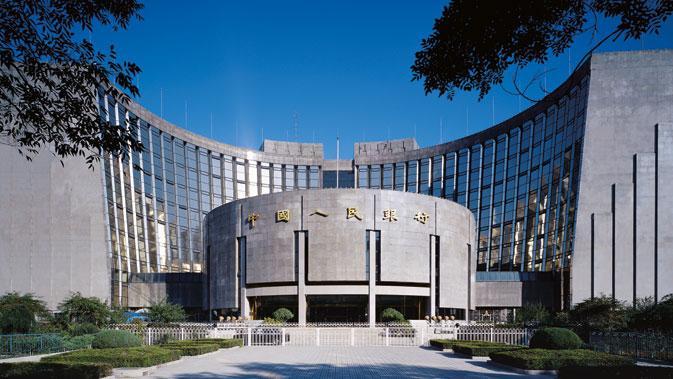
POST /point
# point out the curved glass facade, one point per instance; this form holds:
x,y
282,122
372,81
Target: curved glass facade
x,y
519,178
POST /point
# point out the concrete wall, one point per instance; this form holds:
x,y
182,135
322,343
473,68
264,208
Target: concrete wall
x,y
629,94
336,249
52,228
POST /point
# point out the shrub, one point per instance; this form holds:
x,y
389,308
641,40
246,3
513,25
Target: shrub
x,y
164,312
107,339
282,315
185,348
34,370
82,329
481,348
636,372
598,314
648,315
542,359
442,343
392,315
556,339
120,357
271,321
223,343
78,342
533,315
80,309
19,313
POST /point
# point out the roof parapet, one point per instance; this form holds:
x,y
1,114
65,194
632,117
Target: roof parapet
x,y
383,148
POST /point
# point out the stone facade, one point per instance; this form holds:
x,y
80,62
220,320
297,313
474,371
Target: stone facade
x,y
320,249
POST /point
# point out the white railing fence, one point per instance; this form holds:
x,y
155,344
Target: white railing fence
x,y
510,336
330,334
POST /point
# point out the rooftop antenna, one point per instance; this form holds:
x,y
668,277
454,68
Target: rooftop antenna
x,y
467,120
337,168
262,135
388,132
295,118
493,109
441,130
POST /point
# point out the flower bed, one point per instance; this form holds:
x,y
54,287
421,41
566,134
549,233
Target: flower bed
x,y
118,357
26,370
542,359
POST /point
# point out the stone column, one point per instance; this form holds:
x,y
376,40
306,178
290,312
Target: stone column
x,y
432,304
301,272
372,278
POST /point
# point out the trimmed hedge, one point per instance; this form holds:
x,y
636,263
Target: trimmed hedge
x,y
189,349
636,372
442,343
78,342
223,343
108,339
119,357
39,370
543,359
556,339
82,329
481,348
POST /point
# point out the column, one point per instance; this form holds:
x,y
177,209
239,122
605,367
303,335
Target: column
x,y
664,263
432,304
301,272
372,278
645,216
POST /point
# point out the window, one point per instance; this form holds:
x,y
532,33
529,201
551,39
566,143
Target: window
x,y
412,170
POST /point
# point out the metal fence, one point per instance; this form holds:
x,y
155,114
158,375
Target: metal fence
x,y
637,345
332,334
510,336
13,345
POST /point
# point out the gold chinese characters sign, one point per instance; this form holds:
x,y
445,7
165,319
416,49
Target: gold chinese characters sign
x,y
353,213
252,218
390,215
283,215
422,217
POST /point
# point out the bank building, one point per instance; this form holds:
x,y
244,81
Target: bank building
x,y
569,199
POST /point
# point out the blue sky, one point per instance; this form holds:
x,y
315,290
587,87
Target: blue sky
x,y
309,70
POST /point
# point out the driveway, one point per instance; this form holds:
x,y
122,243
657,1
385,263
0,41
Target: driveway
x,y
332,362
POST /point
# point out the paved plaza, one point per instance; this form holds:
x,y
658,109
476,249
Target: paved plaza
x,y
332,362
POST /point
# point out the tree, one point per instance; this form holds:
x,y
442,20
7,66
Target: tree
x,y
473,43
282,315
533,314
19,313
600,313
164,312
392,315
648,315
49,80
80,309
